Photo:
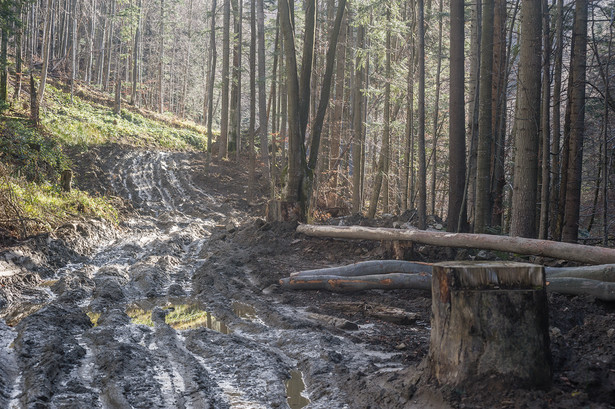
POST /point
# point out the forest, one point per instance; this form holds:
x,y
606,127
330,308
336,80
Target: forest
x,y
338,204
494,116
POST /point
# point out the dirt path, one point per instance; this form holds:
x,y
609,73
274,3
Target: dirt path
x,y
243,348
180,309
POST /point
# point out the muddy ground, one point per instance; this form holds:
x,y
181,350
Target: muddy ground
x,y
85,310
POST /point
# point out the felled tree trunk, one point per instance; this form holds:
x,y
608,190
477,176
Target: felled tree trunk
x,y
369,268
348,284
519,245
489,324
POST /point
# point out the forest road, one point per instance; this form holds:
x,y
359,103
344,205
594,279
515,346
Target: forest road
x,y
171,310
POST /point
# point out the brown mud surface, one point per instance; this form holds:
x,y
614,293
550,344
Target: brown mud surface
x,y
179,307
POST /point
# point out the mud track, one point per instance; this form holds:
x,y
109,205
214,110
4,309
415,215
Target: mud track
x,y
77,303
179,308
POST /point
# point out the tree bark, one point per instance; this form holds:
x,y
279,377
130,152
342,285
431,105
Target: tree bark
x,y
545,248
369,268
485,132
570,227
422,182
357,124
545,125
555,143
262,96
457,145
210,80
161,62
224,121
525,186
349,284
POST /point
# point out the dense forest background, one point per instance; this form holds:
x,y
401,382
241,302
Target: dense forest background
x,y
496,117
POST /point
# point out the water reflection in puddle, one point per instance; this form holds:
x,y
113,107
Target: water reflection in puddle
x,y
246,312
294,391
180,316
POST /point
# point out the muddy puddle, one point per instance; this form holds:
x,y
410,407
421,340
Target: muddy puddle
x,y
180,314
295,391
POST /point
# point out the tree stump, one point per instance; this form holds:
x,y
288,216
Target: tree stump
x,y
66,179
489,324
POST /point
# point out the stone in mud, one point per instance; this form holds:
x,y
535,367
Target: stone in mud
x,y
108,290
176,290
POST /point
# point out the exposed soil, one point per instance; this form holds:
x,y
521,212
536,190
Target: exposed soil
x,y
190,239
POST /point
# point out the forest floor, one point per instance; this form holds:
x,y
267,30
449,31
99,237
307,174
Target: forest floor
x,y
179,307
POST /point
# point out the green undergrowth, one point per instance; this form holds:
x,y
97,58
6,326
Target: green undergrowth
x,y
83,123
30,208
33,158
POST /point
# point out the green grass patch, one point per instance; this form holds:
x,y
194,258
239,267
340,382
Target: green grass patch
x,y
38,207
29,152
83,123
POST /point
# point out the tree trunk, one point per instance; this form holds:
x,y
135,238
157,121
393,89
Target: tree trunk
x,y
294,190
422,182
577,122
381,172
46,48
436,113
262,96
357,124
545,127
210,80
252,123
224,120
523,221
350,284
326,86
473,88
161,62
187,61
4,69
534,247
371,267
485,132
490,325
457,145
555,143
336,131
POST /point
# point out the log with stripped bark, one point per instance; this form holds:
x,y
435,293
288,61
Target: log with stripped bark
x,y
519,245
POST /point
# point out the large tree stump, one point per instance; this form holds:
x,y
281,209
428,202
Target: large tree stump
x,y
489,324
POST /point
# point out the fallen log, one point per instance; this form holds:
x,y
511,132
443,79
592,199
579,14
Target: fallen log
x,y
381,312
601,290
520,245
603,272
369,268
580,286
392,281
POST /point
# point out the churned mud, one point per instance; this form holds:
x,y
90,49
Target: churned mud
x,y
179,307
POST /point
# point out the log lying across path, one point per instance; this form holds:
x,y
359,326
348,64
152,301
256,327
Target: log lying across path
x,y
596,281
519,245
